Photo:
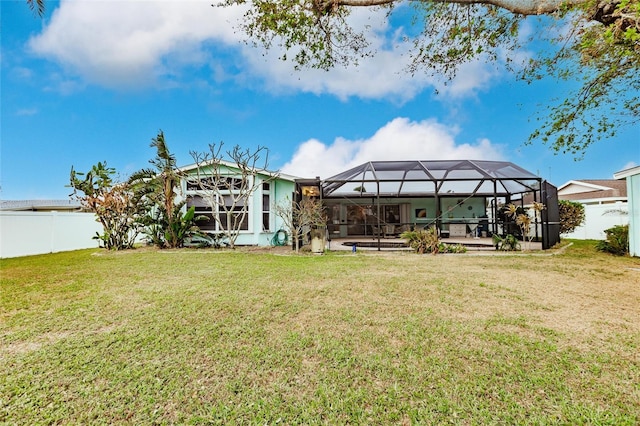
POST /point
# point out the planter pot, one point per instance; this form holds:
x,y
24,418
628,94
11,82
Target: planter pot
x,y
317,245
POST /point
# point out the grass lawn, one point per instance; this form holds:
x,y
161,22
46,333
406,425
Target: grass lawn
x,y
266,337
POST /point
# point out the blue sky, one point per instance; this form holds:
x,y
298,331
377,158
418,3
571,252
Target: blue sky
x,y
96,80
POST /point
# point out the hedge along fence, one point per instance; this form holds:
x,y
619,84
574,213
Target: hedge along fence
x,y
28,233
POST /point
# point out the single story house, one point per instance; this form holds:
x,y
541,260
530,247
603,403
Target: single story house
x,y
260,224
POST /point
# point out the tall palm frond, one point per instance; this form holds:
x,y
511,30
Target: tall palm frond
x,y
36,6
164,161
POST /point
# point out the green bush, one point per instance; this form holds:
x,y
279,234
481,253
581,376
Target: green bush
x,y
451,248
571,215
508,243
423,241
617,241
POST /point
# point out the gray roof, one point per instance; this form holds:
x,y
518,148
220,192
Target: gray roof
x,y
426,178
22,205
614,189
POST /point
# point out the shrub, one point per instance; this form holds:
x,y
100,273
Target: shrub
x,y
617,241
451,248
508,243
423,241
571,215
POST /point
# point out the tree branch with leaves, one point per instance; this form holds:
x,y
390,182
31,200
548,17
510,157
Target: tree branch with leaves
x,y
601,50
119,206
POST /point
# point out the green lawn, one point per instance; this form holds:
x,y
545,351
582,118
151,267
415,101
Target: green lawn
x,y
266,337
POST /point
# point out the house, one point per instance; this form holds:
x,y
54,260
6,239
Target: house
x,y
632,178
605,205
260,224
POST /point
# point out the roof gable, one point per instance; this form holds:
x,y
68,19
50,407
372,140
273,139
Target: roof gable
x,y
579,186
229,165
593,189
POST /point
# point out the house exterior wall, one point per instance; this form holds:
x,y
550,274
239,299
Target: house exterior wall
x,y
413,212
26,233
633,192
279,190
633,195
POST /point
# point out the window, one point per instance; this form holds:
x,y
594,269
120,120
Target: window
x,y
202,208
224,183
266,209
232,216
390,213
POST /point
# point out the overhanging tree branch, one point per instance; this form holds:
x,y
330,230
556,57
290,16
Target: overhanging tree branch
x,y
522,7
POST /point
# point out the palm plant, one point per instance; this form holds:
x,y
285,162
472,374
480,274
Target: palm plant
x,y
423,241
36,6
508,243
523,220
167,225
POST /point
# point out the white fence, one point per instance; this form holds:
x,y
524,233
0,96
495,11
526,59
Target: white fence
x,y
599,217
28,233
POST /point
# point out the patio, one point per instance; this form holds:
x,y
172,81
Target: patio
x,y
398,244
464,199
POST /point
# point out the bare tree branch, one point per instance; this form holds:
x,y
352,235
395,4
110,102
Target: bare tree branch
x,y
228,185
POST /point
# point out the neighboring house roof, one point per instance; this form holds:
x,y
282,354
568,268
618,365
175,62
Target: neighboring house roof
x,y
591,189
35,205
233,165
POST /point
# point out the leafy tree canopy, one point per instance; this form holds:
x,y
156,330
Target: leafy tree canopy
x,y
596,43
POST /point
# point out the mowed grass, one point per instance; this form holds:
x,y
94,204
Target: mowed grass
x,y
266,337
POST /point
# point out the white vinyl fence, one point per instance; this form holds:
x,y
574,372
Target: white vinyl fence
x,y
24,233
599,217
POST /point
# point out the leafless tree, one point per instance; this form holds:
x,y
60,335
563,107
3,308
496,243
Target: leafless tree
x,y
226,180
298,217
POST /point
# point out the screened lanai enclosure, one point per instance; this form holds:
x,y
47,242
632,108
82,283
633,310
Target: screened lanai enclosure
x,y
461,198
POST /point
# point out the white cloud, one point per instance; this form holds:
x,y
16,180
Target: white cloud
x,y
400,139
27,111
382,75
629,165
125,44
129,43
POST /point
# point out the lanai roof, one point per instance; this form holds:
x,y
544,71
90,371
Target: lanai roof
x,y
427,178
